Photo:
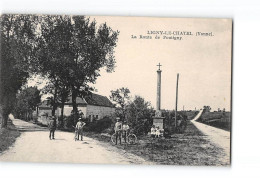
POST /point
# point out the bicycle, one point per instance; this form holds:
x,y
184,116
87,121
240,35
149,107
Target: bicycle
x,y
130,138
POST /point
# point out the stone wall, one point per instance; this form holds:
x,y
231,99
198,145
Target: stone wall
x,y
98,112
91,111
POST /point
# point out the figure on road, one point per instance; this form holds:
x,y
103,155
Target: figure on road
x,y
118,129
79,129
125,130
52,127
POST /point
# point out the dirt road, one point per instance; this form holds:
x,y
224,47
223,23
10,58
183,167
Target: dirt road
x,y
219,137
34,146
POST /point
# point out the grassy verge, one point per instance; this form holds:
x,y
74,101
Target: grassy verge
x,y
190,148
8,136
220,120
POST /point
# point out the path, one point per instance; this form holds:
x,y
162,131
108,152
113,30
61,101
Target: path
x,y
34,146
219,137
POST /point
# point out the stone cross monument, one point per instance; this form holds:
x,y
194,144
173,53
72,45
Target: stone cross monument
x,y
158,120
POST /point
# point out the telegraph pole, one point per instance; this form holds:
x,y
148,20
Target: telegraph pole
x,y
176,104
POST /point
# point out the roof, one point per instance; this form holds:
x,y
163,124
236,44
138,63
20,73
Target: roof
x,y
79,100
99,100
94,99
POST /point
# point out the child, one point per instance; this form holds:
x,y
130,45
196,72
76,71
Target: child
x,y
153,131
157,133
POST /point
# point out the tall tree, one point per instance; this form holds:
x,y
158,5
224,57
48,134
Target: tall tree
x,y
73,49
120,97
17,41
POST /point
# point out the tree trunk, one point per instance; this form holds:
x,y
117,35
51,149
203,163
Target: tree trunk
x,y
62,110
61,116
74,105
54,107
4,120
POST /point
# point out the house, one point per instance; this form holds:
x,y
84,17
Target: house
x,y
94,108
44,110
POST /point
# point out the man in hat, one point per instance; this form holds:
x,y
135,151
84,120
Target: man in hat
x,y
118,129
125,129
52,127
79,129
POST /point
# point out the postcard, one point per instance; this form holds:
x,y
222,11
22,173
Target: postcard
x,y
115,90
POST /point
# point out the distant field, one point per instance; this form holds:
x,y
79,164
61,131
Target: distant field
x,y
217,119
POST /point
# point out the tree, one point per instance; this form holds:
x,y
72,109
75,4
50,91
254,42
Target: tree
x,y
17,40
27,101
120,97
139,115
59,92
73,50
206,108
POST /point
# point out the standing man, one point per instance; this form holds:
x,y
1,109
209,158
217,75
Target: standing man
x,y
52,127
79,129
125,130
118,129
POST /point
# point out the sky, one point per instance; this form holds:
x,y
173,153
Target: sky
x,y
203,62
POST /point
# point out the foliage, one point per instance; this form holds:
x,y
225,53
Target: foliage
x,y
71,52
206,108
99,125
27,101
8,136
120,97
139,115
170,122
17,53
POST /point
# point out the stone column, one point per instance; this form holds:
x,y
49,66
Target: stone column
x,y
158,120
158,99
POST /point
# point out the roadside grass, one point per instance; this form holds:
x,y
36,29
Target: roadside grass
x,y
8,136
191,149
217,119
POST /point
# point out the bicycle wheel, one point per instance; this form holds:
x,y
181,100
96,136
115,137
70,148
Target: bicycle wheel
x,y
131,139
113,138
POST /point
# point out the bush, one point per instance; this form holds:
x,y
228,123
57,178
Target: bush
x,y
99,125
141,126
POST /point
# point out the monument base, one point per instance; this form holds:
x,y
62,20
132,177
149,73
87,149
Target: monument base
x,y
158,122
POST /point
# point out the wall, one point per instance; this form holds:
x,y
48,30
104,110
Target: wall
x,y
68,109
44,114
101,111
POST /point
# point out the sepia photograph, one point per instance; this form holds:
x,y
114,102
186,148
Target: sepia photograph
x,y
115,90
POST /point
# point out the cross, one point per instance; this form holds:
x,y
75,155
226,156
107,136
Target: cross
x,y
159,66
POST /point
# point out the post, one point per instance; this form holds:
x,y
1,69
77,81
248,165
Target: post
x,y
176,104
